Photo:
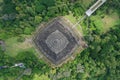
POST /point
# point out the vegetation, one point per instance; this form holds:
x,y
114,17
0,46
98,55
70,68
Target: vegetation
x,y
100,61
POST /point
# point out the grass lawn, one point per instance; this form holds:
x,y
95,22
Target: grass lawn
x,y
73,20
7,78
104,24
13,47
40,77
110,20
1,0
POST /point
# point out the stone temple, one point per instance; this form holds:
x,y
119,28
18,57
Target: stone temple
x,y
57,41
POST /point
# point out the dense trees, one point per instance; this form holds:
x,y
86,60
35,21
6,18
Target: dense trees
x,y
100,61
107,53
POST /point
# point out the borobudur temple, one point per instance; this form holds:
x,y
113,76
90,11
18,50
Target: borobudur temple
x,y
57,41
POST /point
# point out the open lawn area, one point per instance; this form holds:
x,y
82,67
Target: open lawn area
x,y
104,24
73,20
40,77
13,47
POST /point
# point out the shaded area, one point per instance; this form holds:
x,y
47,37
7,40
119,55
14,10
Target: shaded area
x,y
8,10
104,50
2,45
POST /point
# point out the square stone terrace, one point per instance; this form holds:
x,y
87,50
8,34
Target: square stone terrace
x,y
57,41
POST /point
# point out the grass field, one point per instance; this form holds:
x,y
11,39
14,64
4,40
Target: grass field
x,y
110,20
40,77
73,20
1,1
105,23
13,47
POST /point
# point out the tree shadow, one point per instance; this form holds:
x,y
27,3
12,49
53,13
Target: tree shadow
x,y
8,11
8,7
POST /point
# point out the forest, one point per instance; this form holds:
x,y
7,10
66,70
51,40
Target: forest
x,y
100,61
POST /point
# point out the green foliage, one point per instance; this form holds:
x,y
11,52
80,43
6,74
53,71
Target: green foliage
x,y
39,8
29,59
28,30
101,60
38,19
8,7
21,39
